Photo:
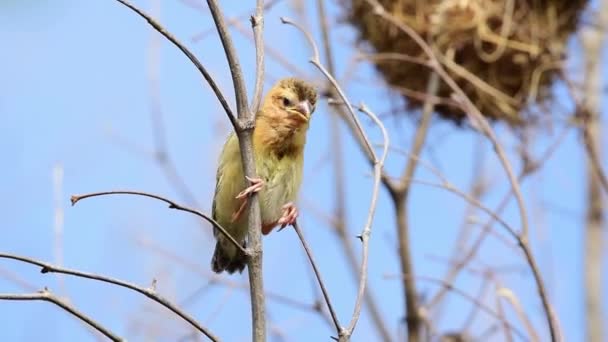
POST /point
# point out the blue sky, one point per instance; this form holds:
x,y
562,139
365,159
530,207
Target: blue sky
x,y
75,94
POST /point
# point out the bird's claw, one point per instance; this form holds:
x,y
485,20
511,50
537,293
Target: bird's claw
x,y
290,214
256,185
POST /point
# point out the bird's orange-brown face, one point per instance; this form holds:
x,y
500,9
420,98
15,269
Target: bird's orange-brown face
x,y
292,102
297,109
284,117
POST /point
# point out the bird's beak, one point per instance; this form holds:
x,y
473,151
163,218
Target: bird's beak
x,y
303,110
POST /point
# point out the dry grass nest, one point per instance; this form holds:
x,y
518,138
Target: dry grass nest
x,y
503,53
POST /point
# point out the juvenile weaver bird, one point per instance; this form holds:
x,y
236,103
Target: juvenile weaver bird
x,y
278,143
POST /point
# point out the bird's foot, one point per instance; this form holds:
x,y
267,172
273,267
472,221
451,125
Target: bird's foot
x,y
256,185
290,214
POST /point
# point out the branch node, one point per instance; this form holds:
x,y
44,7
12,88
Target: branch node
x,y
256,20
45,270
317,306
246,124
153,285
74,199
250,252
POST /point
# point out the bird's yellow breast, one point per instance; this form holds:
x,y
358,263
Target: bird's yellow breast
x,y
282,175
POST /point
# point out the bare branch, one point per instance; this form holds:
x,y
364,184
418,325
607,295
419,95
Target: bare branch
x,y
172,205
315,60
257,23
234,21
400,196
233,62
148,292
189,54
244,131
378,166
47,296
330,307
377,163
341,223
506,293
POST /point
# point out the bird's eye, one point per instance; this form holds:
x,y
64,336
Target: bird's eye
x,y
286,102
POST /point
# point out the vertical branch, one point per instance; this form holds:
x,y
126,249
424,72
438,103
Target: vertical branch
x,y
367,229
400,196
257,23
233,61
340,193
592,42
244,130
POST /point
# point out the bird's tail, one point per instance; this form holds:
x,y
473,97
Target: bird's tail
x,y
227,258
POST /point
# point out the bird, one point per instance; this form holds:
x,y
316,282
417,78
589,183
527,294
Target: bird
x,y
279,136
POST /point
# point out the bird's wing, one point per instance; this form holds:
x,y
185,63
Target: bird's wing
x,y
219,178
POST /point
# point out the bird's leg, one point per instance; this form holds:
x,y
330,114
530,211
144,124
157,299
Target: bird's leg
x,y
256,185
290,214
237,214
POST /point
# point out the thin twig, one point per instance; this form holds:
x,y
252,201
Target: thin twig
x,y
506,293
500,311
199,66
172,205
316,61
272,52
377,163
338,163
257,23
330,307
148,292
47,296
232,21
365,234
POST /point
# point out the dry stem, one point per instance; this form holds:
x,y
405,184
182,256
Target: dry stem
x,y
148,292
244,132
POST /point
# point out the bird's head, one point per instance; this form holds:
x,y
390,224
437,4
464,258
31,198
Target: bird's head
x,y
284,117
291,102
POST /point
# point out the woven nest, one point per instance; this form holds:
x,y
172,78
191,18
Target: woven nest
x,y
503,53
